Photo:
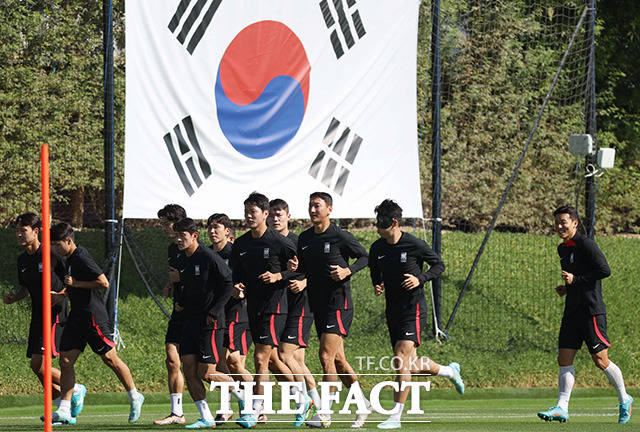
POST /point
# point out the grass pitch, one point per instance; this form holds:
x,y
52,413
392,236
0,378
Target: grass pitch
x,y
479,410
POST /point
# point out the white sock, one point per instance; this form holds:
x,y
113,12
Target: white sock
x,y
315,396
614,374
57,401
257,406
203,408
65,406
133,394
77,389
446,371
239,394
397,409
295,391
176,404
566,379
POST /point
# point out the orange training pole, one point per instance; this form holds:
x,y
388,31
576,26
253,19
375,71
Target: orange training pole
x,y
46,285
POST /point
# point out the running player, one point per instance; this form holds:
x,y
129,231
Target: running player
x,y
258,260
88,323
207,288
237,337
299,317
168,215
585,315
396,264
323,255
28,227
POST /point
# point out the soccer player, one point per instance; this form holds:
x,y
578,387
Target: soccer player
x,y
28,227
237,337
168,215
585,316
396,262
299,317
207,288
88,323
259,259
323,255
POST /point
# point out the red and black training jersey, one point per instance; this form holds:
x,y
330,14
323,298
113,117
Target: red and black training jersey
x,y
253,256
316,253
176,259
582,257
207,284
298,303
235,309
82,267
389,263
30,277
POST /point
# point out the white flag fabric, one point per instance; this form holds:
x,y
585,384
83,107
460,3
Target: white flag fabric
x,y
287,97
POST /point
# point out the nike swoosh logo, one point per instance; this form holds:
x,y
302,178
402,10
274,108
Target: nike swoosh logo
x,y
206,357
331,326
242,253
595,346
291,337
381,256
23,270
304,247
409,334
263,337
181,271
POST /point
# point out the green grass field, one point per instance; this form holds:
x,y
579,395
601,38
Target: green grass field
x,y
478,410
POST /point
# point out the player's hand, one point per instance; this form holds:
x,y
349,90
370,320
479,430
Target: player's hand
x,y
567,277
269,278
561,290
378,289
210,320
410,282
56,297
238,291
166,291
292,264
297,286
69,281
339,273
177,307
174,275
8,298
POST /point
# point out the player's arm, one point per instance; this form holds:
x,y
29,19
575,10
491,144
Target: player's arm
x,y
13,297
355,250
436,266
288,252
374,271
598,266
222,280
100,282
236,274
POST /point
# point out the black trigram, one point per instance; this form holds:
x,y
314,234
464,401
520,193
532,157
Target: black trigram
x,y
339,154
198,14
332,9
189,151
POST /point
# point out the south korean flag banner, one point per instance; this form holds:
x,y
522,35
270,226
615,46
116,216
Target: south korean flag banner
x,y
283,97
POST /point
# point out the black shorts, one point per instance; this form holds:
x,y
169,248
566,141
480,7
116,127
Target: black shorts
x,y
82,329
202,340
266,329
35,345
406,324
237,337
296,330
592,329
174,329
333,321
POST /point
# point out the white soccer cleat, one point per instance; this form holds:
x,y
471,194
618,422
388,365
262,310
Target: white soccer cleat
x,y
359,422
319,421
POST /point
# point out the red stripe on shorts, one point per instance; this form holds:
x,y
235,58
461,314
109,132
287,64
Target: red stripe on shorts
x,y
273,329
232,346
103,337
340,326
595,327
418,322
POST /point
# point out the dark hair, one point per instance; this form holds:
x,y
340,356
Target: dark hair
x,y
61,231
278,204
571,211
323,196
29,219
172,212
388,209
219,218
185,224
258,200
232,232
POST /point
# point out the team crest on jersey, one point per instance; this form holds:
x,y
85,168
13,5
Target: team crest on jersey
x,y
327,247
403,257
197,270
40,267
265,253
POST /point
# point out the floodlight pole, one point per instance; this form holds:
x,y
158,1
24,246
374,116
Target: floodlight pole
x,y
590,123
109,204
436,284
